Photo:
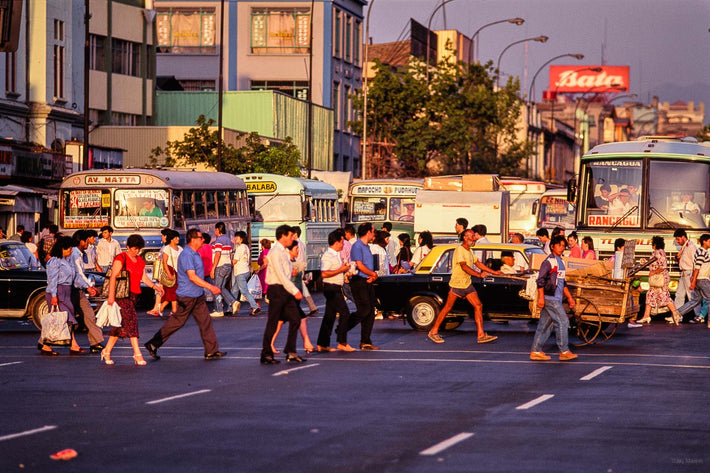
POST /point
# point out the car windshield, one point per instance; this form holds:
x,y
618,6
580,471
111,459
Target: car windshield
x,y
16,257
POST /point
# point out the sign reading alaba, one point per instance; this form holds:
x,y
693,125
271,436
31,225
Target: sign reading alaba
x,y
576,79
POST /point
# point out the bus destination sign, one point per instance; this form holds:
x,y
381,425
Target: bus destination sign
x,y
262,187
125,180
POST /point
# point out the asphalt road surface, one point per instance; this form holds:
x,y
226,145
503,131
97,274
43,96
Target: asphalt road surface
x,y
636,403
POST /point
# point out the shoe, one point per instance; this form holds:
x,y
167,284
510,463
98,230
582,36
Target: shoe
x,y
215,355
697,320
321,349
138,359
236,305
152,350
98,348
368,346
217,314
313,313
633,324
345,347
66,454
435,337
254,312
106,358
154,312
669,320
309,349
269,360
49,352
487,338
539,356
567,355
80,351
645,320
294,358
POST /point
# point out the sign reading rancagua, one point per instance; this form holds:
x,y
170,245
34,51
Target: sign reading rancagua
x,y
576,79
125,180
262,187
612,220
385,189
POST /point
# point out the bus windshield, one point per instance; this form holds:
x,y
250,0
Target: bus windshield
x,y
556,212
369,209
521,211
277,208
613,193
678,194
86,208
141,208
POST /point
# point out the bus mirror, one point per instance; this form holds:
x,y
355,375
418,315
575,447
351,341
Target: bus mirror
x,y
534,207
571,190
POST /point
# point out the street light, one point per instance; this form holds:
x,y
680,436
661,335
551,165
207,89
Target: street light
x,y
574,120
364,92
516,21
539,39
631,96
428,35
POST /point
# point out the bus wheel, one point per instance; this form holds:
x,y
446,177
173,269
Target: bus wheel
x,y
422,312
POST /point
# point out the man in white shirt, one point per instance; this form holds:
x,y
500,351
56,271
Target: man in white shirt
x,y
283,296
685,259
333,272
520,262
241,273
106,249
622,204
686,204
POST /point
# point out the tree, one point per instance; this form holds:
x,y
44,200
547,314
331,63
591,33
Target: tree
x,y
704,133
199,146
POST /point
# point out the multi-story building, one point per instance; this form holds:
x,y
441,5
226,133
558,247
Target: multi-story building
x,y
267,46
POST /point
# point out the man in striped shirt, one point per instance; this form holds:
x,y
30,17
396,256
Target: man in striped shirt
x,y
700,280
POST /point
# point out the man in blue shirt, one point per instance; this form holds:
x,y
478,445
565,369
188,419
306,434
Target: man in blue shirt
x,y
191,300
550,289
361,285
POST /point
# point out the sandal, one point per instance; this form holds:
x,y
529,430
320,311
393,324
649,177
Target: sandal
x,y
486,338
106,358
154,312
138,359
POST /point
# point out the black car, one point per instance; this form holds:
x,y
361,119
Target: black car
x,y
421,294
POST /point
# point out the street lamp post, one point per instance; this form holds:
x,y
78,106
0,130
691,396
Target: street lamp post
x,y
428,35
364,92
539,39
516,21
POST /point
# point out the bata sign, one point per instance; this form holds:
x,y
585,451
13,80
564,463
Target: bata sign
x,y
571,79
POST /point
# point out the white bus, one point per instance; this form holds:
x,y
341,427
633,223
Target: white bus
x,y
384,200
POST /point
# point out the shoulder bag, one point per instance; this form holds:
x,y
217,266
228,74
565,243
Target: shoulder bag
x,y
167,277
123,281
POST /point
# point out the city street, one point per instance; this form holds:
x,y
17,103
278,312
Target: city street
x,y
637,402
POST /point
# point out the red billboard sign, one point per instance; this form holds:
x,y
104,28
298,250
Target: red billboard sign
x,y
576,79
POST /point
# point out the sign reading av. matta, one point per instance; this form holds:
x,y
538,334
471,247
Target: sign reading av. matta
x,y
582,79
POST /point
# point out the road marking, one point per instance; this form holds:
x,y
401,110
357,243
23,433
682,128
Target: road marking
x,y
595,373
28,432
158,401
12,363
441,446
535,401
291,370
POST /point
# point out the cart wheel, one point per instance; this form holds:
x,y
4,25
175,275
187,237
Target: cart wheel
x,y
588,321
607,331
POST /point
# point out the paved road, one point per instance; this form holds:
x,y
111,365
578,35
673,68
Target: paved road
x,y
637,403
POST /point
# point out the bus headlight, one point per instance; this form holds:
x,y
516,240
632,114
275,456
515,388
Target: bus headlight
x,y
645,286
150,256
673,286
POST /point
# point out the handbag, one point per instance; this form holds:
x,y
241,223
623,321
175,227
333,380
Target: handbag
x,y
55,330
656,280
166,278
108,315
123,281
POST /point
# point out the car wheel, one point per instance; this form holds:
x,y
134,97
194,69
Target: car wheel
x,y
422,313
38,306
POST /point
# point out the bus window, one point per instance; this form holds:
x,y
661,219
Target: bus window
x,y
178,221
188,208
278,208
233,203
211,205
222,204
200,205
369,209
144,208
678,193
86,208
399,208
613,191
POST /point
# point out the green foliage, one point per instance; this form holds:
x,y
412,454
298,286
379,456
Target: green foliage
x,y
460,123
199,146
704,133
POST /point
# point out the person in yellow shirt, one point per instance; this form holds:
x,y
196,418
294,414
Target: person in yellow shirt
x,y
461,288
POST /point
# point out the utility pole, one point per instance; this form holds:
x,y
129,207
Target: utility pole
x,y
87,57
220,93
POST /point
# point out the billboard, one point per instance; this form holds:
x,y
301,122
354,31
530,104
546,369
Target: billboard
x,y
576,79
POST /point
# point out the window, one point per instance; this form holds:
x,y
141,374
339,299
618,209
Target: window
x,y
678,193
613,189
211,205
356,43
124,119
369,209
336,104
277,208
347,109
186,30
280,30
87,208
188,208
348,37
126,57
337,31
141,208
222,204
10,74
233,204
97,55
295,88
58,61
200,205
402,209
198,85
58,30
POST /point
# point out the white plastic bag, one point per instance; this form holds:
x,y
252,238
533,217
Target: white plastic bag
x,y
254,287
109,315
530,291
55,330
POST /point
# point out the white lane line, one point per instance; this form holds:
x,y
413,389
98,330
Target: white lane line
x,y
291,370
441,446
12,363
28,432
158,401
535,401
595,373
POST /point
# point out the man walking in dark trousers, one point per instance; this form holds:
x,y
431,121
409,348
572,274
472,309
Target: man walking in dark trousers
x,y
191,300
333,272
361,285
283,296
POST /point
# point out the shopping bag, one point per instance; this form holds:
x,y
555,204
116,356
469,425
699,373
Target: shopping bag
x,y
123,282
109,315
254,287
55,330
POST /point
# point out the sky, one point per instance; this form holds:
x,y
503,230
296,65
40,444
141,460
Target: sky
x,y
666,43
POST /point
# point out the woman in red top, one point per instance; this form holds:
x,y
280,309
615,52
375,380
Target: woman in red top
x,y
135,265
